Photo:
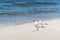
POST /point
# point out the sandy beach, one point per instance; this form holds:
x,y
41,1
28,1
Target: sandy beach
x,y
27,31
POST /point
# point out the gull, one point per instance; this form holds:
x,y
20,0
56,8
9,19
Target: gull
x,y
40,24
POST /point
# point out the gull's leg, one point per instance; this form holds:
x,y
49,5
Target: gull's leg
x,y
37,29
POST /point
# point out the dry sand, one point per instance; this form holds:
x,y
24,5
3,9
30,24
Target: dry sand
x,y
27,31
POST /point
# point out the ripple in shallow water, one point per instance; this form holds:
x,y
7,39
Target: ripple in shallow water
x,y
34,3
30,12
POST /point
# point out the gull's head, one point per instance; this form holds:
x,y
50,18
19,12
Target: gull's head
x,y
46,23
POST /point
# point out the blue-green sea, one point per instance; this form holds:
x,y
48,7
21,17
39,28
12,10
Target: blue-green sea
x,y
19,11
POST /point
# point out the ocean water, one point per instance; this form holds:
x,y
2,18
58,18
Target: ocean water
x,y
18,11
